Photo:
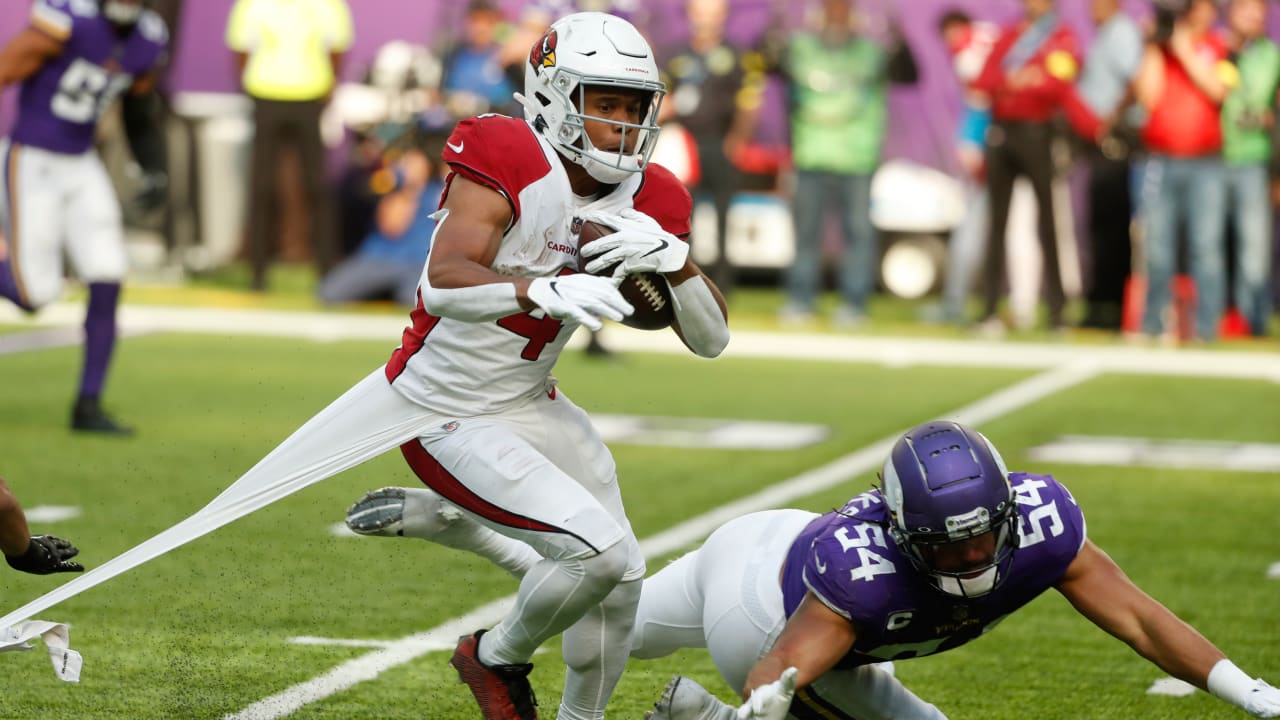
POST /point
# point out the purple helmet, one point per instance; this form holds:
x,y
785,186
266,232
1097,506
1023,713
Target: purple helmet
x,y
945,483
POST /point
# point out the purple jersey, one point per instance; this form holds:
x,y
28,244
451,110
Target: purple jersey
x,y
848,561
59,105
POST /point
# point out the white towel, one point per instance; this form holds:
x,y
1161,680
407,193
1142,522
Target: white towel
x,y
66,662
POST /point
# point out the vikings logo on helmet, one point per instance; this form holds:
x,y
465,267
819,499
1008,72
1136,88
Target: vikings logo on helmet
x,y
543,54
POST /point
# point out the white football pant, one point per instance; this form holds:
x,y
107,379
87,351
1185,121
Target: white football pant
x,y
541,475
726,597
51,205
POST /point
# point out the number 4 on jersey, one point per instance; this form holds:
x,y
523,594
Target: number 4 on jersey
x,y
540,331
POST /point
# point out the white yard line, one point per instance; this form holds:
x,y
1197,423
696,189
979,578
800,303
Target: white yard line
x,y
404,650
897,352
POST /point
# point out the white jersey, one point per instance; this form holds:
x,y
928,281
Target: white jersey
x,y
465,368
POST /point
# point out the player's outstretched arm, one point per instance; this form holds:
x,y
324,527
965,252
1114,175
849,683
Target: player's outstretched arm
x,y
813,641
25,54
1100,591
14,534
39,555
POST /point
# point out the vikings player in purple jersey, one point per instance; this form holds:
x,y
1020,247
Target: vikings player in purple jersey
x,y
73,60
799,611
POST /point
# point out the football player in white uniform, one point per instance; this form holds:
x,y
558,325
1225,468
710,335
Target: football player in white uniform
x,y
532,467
468,396
498,289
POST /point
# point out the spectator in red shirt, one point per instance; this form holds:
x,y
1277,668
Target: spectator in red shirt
x,y
1182,82
1029,71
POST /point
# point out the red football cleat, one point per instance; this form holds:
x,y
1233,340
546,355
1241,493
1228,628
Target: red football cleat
x,y
503,691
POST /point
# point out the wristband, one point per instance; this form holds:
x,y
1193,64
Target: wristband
x,y
1229,682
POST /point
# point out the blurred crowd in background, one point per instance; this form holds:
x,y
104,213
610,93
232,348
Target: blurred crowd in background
x,y
1115,152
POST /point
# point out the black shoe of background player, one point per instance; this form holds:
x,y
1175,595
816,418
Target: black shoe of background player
x,y
88,416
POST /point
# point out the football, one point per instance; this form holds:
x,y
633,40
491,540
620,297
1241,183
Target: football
x,y
648,292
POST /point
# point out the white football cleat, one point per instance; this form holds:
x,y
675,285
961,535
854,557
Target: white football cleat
x,y
402,512
422,513
684,699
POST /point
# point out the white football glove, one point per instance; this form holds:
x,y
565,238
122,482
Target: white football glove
x,y
639,245
772,701
1263,701
581,298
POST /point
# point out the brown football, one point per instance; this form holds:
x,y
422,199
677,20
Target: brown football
x,y
648,292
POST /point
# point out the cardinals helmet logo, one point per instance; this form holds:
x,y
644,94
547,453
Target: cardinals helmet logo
x,y
543,54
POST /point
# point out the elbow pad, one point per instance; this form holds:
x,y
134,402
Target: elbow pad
x,y
703,326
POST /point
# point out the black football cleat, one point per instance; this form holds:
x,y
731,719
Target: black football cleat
x,y
88,416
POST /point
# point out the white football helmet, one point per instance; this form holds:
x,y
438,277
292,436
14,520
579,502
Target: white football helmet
x,y
595,49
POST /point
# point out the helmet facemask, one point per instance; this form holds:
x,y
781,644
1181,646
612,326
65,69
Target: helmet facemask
x,y
609,165
598,52
927,550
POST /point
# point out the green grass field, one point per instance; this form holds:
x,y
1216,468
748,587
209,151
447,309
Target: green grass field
x,y
203,632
